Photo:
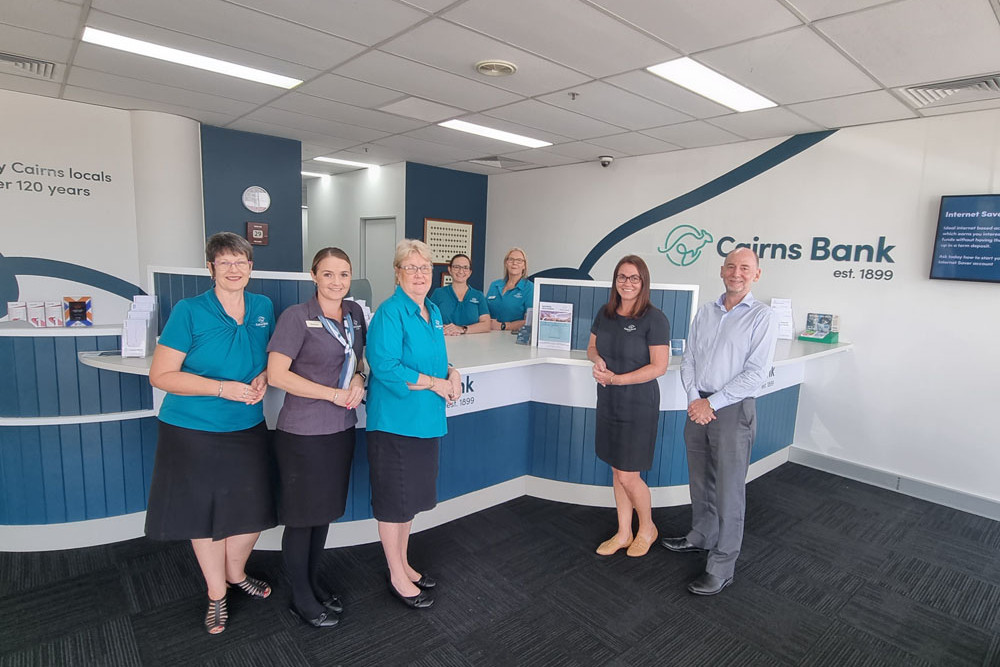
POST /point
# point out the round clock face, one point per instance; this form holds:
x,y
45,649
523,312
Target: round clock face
x,y
256,199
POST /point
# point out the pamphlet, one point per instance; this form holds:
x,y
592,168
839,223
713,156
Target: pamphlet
x,y
555,325
786,325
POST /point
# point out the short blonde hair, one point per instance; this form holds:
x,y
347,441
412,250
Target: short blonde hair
x,y
406,247
506,274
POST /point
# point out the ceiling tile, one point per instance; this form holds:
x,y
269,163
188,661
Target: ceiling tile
x,y
277,130
221,23
584,151
920,41
777,122
125,102
532,113
414,107
34,44
660,90
349,91
425,151
586,39
817,9
429,5
383,69
28,84
696,26
325,126
367,21
634,143
47,16
615,106
457,49
157,71
345,113
545,157
694,134
82,77
792,66
382,155
465,165
874,107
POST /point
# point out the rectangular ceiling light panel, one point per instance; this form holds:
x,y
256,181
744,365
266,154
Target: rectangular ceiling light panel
x,y
490,133
708,83
137,46
349,163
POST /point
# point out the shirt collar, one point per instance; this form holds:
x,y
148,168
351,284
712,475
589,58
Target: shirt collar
x,y
747,301
409,305
313,311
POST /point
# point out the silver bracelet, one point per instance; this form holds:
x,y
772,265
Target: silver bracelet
x,y
220,388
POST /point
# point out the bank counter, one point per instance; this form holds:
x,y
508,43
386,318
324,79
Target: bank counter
x,y
78,474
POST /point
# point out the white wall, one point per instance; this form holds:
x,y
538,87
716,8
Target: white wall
x,y
916,397
338,203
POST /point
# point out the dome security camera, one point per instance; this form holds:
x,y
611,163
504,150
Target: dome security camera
x,y
606,160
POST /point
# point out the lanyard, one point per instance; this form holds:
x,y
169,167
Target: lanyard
x,y
350,359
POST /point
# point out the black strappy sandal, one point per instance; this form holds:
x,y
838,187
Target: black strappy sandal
x,y
216,617
255,588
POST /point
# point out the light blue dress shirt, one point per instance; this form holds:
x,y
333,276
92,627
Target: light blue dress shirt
x,y
400,346
464,312
729,353
511,306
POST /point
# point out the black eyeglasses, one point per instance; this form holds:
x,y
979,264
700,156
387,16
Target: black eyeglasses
x,y
634,279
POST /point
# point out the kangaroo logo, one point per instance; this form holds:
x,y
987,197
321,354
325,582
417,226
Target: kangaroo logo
x,y
684,243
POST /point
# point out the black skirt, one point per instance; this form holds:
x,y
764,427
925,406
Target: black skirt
x,y
210,485
403,475
627,420
314,473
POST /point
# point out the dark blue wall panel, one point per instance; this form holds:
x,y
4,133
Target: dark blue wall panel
x,y
447,194
232,161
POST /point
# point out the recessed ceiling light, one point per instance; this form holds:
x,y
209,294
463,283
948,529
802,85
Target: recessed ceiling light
x,y
484,131
708,83
349,163
313,174
110,39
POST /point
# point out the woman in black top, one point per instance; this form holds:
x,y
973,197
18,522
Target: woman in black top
x,y
630,348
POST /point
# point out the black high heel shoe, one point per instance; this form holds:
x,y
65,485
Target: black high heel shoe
x,y
425,582
333,603
421,600
324,620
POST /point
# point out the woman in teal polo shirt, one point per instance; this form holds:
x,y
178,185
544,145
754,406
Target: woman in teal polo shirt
x,y
211,478
463,308
408,390
512,295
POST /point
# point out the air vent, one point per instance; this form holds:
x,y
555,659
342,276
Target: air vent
x,y
954,92
495,68
42,69
500,162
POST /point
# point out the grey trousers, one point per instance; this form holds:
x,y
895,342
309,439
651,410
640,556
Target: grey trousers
x,y
718,456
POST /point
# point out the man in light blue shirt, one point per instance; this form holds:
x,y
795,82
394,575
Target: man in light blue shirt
x,y
729,355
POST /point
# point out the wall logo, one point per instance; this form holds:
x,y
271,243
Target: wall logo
x,y
684,243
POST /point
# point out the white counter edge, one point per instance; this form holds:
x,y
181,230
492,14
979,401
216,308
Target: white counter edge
x,y
41,332
66,420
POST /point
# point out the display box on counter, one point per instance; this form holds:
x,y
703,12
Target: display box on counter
x,y
36,313
78,311
17,311
53,314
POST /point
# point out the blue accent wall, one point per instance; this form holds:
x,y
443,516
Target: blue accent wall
x,y
448,194
232,161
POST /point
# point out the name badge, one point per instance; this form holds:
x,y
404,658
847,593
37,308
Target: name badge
x,y
314,324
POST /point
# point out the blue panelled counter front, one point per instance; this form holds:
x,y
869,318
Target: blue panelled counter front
x,y
524,425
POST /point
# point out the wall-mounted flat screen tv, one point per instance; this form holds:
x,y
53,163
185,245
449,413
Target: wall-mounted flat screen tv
x,y
967,244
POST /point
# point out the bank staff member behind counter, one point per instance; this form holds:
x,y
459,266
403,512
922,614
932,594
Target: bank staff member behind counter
x,y
315,356
407,393
630,347
509,297
211,479
463,308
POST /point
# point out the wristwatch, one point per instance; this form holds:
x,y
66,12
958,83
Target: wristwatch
x,y
465,330
503,326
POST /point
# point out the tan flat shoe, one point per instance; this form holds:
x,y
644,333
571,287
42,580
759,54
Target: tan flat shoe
x,y
610,547
640,546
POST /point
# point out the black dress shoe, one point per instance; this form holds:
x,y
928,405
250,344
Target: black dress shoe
x,y
708,584
425,582
334,604
324,620
421,600
679,544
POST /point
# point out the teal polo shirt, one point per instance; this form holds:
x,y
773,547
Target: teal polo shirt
x,y
511,306
400,346
464,312
217,347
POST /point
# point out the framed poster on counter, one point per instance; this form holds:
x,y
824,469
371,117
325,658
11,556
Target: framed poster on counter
x,y
447,238
967,243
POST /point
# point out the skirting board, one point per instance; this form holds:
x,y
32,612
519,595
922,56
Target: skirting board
x,y
77,534
916,488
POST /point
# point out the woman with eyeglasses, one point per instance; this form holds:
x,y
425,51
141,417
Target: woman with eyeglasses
x,y
315,356
211,478
510,297
410,386
463,308
629,347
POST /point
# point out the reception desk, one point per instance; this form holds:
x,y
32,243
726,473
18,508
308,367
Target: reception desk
x,y
524,425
